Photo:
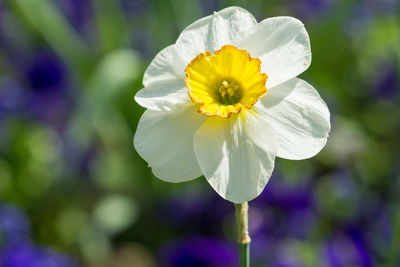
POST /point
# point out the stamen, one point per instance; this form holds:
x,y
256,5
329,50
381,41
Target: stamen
x,y
229,93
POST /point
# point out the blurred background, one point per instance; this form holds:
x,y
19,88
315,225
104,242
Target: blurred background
x,y
73,191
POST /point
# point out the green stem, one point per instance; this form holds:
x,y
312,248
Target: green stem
x,y
244,255
243,234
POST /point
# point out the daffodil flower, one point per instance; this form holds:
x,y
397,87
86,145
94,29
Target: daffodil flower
x,y
224,101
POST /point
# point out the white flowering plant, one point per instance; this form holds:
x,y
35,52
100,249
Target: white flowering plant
x,y
224,101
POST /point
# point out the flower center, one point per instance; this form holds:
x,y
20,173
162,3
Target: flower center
x,y
226,82
229,92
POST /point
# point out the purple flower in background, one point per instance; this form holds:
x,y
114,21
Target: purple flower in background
x,y
142,43
51,100
40,91
18,255
286,209
359,19
287,260
285,196
78,13
14,224
380,232
135,7
192,212
16,249
300,223
263,247
349,249
13,96
197,252
28,255
384,6
309,9
51,258
46,72
387,85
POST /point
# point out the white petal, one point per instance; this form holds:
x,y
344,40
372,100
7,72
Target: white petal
x,y
167,65
214,31
236,155
299,116
165,95
165,141
207,34
282,44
